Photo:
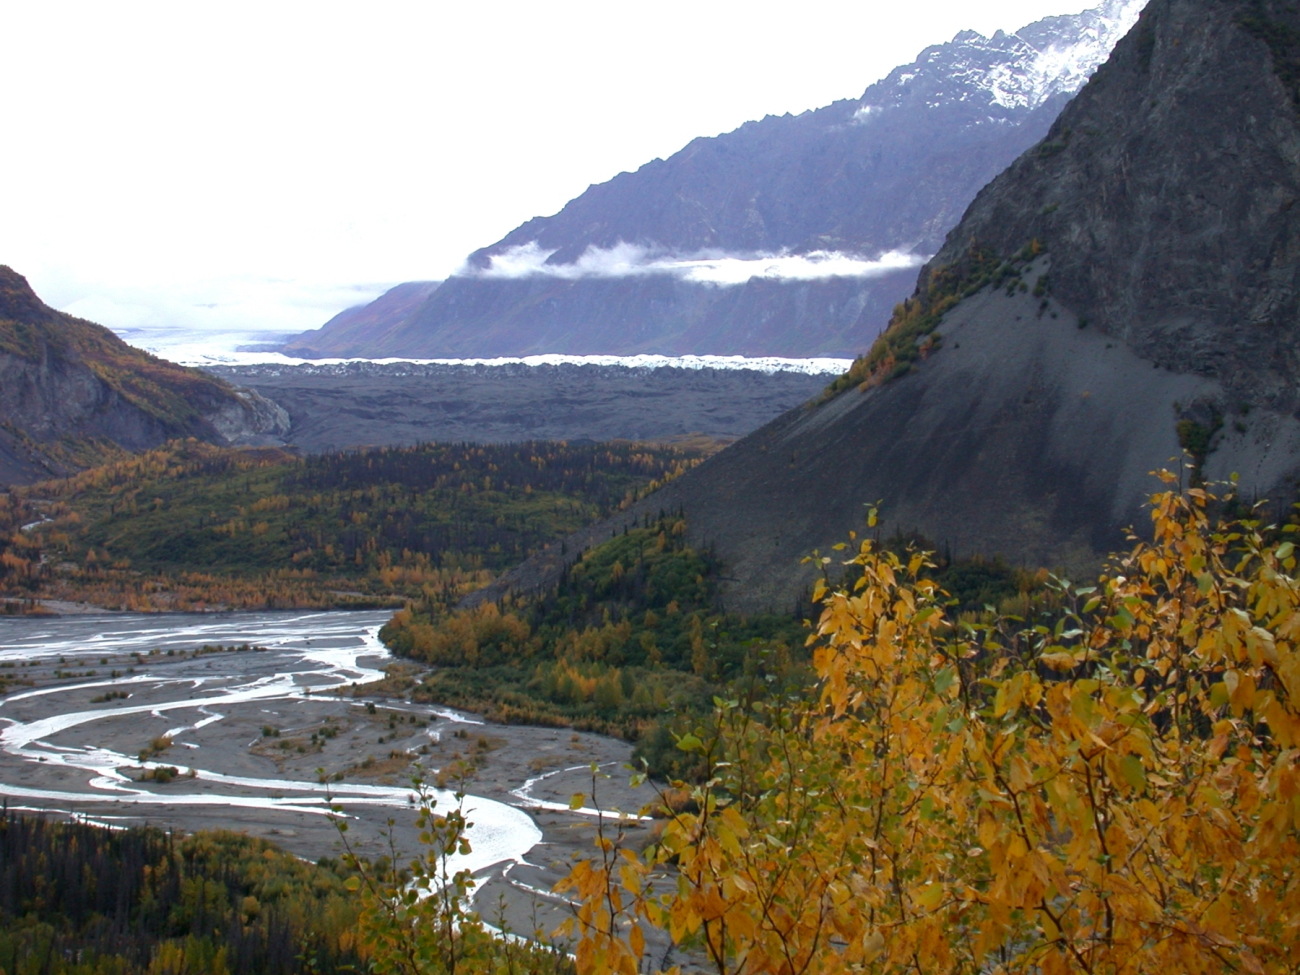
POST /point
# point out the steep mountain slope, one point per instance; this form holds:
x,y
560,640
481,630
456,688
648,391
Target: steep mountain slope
x,y
364,325
1165,198
1127,287
72,394
793,235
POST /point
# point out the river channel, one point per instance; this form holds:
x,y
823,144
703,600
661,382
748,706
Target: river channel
x,y
102,703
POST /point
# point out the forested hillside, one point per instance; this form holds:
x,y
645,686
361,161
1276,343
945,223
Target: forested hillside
x,y
637,640
79,899
192,526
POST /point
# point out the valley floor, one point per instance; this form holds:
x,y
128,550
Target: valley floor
x,y
257,726
334,407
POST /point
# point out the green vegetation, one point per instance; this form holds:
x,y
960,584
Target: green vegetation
x,y
635,641
1198,439
190,526
77,899
634,631
910,335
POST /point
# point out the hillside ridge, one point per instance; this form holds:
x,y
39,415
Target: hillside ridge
x,y
792,235
1154,316
73,394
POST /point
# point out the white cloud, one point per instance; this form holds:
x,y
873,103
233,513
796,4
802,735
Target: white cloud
x,y
232,311
244,141
632,260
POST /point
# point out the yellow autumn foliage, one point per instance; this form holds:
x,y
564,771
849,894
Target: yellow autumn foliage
x,y
1114,790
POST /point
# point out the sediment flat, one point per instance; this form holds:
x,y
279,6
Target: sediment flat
x,y
353,404
262,740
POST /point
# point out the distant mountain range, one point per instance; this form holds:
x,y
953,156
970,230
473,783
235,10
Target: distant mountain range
x,y
73,394
794,235
370,325
1127,290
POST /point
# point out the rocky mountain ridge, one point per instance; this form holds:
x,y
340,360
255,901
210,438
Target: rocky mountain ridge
x,y
691,202
73,394
367,324
1164,195
793,235
1121,299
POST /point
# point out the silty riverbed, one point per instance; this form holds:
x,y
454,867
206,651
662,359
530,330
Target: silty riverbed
x,y
241,735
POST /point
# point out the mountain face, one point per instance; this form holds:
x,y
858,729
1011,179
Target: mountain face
x,y
1165,200
794,235
1126,289
362,325
72,393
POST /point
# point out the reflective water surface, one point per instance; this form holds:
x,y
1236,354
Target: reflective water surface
x,y
105,684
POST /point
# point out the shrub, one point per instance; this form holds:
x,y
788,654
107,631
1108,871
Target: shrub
x,y
1108,788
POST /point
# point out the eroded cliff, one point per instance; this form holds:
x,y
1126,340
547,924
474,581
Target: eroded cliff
x,y
73,394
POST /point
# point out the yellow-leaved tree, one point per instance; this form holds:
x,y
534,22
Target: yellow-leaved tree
x,y
420,919
1108,787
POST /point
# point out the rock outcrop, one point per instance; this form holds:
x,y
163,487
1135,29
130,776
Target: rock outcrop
x,y
72,394
1155,312
1165,196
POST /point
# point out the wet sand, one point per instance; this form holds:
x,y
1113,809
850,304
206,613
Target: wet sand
x,y
250,732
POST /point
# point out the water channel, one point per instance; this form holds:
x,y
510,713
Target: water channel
x,y
245,734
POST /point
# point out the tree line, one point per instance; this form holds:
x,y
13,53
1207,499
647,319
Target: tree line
x,y
189,524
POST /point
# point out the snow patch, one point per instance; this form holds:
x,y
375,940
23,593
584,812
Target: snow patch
x,y
1017,72
1065,65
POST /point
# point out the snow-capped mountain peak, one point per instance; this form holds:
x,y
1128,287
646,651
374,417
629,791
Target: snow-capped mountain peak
x,y
793,234
1011,72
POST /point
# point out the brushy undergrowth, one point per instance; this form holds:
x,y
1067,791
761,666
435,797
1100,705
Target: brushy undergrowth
x,y
910,335
191,526
634,641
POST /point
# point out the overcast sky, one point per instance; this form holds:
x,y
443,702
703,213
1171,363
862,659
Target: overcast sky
x,y
238,167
